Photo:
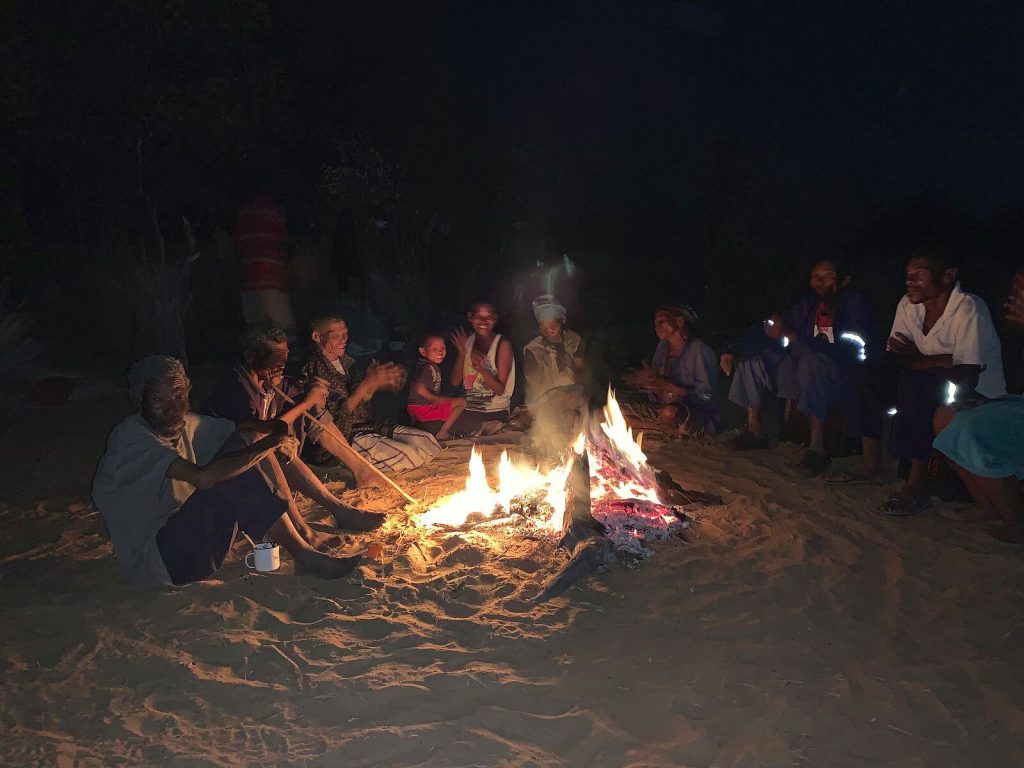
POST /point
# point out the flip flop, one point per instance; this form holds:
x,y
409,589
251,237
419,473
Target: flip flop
x,y
903,505
844,477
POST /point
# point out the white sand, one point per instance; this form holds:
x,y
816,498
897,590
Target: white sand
x,y
798,628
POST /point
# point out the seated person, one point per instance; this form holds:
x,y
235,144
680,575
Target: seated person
x,y
680,381
806,354
985,447
391,448
553,359
486,369
942,347
174,487
255,390
428,408
553,365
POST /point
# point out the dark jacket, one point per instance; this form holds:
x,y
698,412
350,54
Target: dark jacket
x,y
852,315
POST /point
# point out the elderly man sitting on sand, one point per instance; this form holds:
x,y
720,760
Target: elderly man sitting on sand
x,y
174,487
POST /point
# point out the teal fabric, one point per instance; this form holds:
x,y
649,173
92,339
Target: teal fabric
x,y
987,441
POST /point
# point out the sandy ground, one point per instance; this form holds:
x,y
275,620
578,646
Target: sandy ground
x,y
797,628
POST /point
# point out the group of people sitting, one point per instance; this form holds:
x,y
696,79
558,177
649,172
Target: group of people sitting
x,y
175,486
939,371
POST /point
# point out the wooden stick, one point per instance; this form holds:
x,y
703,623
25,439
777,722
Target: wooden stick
x,y
359,456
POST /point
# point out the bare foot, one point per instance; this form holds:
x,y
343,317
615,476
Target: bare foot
x,y
352,519
326,566
319,540
491,427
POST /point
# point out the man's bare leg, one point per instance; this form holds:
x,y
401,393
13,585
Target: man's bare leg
x,y
817,441
302,479
754,421
445,431
870,465
306,558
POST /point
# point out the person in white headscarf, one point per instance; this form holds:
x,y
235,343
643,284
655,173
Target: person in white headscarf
x,y
553,363
554,358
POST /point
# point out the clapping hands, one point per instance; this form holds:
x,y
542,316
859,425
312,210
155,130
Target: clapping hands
x,y
386,376
643,378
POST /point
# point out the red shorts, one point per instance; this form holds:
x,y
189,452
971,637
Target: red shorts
x,y
430,411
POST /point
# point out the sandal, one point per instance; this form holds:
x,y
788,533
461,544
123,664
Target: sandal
x,y
849,477
814,463
902,504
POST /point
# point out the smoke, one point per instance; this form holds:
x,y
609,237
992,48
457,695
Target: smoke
x,y
559,416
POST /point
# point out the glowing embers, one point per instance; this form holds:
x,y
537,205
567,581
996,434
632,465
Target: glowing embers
x,y
623,491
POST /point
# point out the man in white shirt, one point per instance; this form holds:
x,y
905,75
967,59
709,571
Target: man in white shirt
x,y
942,347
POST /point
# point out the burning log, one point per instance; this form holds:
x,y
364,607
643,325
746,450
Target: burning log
x,y
583,537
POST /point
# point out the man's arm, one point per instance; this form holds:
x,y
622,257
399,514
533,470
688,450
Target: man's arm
x,y
229,465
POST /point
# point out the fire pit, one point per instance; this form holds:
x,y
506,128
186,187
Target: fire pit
x,y
602,503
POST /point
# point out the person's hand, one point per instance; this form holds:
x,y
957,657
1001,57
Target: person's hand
x,y
727,361
903,347
773,327
479,361
643,377
1014,305
460,338
286,446
386,376
316,397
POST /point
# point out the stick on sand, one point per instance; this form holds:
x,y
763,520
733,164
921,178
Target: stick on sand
x,y
338,435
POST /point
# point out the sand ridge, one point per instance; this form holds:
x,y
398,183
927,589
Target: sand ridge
x,y
797,627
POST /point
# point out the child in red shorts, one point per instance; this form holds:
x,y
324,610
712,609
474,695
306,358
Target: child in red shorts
x,y
428,408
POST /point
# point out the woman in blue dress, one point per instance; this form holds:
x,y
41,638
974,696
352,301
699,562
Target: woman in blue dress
x,y
986,446
681,381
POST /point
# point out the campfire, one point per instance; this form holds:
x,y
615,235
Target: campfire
x,y
603,502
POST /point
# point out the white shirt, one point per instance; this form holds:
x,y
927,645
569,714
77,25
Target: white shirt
x,y
964,331
133,493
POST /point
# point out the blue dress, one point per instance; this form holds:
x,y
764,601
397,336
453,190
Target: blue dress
x,y
987,441
696,369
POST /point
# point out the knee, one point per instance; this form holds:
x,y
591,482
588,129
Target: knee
x,y
941,418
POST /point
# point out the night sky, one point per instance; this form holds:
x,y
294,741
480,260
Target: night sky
x,y
698,145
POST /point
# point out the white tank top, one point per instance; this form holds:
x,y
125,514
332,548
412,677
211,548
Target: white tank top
x,y
479,396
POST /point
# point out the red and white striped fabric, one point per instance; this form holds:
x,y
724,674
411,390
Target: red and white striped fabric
x,y
261,236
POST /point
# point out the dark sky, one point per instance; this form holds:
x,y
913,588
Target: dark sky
x,y
650,132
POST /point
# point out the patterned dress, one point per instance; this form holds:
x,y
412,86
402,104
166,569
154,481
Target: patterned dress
x,y
391,448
